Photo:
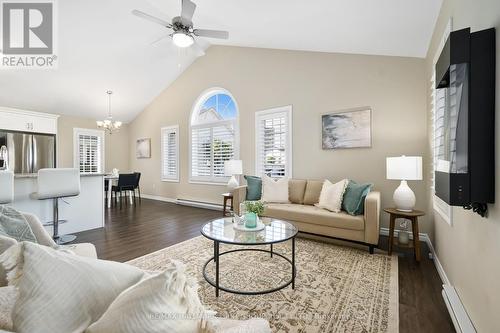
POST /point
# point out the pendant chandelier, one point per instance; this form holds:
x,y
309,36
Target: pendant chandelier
x,y
109,124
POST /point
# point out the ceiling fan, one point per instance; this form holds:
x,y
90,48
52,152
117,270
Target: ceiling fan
x,y
182,26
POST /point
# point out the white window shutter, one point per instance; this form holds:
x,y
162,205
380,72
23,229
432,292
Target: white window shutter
x,y
223,148
170,153
89,150
273,142
201,148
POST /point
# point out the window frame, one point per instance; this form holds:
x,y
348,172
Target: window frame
x,y
268,114
439,206
76,148
163,131
204,96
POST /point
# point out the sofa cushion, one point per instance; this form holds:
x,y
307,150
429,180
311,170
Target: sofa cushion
x,y
274,190
313,190
53,283
314,215
296,190
254,188
166,302
354,197
331,195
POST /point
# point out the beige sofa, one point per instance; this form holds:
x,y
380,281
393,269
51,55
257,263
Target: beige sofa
x,y
303,194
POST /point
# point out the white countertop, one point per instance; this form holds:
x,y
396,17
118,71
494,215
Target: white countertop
x,y
35,175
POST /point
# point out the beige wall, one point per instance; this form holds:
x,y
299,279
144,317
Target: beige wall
x,y
314,83
116,145
469,251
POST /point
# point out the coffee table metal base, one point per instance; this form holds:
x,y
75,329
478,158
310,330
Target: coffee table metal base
x,y
217,285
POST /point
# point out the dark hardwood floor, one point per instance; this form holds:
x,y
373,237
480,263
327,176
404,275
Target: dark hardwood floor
x,y
134,231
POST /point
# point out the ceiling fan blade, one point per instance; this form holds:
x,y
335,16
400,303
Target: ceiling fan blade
x,y
211,33
188,8
157,41
151,18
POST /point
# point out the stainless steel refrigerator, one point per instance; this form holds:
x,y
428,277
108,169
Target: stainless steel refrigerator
x,y
28,152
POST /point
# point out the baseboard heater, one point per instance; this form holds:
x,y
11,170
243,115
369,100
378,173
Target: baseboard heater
x,y
198,204
458,315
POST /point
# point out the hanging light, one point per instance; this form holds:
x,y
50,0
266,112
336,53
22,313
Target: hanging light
x,y
109,124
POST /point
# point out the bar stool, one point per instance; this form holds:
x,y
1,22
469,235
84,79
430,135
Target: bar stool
x,y
7,187
55,184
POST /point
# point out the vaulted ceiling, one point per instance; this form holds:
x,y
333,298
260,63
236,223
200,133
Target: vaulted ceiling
x,y
101,46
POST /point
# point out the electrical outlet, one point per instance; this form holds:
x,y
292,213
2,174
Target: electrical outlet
x,y
154,188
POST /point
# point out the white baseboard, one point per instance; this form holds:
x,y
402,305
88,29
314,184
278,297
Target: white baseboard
x,y
158,198
425,237
184,202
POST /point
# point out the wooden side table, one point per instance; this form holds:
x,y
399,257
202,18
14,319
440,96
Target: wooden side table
x,y
226,196
413,217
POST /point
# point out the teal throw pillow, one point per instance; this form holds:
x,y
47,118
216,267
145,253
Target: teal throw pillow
x,y
254,188
354,198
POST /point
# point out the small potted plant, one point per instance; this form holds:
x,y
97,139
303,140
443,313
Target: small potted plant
x,y
253,210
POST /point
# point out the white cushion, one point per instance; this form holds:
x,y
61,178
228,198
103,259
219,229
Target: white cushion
x,y
62,292
331,195
274,191
167,302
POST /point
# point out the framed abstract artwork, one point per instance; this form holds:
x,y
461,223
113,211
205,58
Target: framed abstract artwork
x,y
143,148
347,129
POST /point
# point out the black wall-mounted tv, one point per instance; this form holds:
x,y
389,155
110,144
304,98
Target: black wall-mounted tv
x,y
465,78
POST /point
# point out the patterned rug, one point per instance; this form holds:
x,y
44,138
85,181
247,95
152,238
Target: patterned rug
x,y
337,288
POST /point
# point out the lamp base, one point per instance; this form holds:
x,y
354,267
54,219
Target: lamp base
x,y
232,183
404,198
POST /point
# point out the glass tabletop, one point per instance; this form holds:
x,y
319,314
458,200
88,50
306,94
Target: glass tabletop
x,y
276,231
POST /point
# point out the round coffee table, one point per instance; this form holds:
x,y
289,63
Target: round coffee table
x,y
222,231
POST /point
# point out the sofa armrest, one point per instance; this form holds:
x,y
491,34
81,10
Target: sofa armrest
x,y
239,195
372,217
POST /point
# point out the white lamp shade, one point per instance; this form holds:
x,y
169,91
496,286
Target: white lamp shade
x,y
404,168
233,167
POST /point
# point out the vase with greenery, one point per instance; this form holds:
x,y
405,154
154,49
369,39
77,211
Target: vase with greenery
x,y
253,210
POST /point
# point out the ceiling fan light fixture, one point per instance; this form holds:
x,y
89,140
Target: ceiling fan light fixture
x,y
181,39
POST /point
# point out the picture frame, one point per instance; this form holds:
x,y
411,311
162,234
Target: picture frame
x,y
143,148
347,129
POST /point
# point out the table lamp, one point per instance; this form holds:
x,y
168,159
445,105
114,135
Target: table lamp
x,y
233,168
404,168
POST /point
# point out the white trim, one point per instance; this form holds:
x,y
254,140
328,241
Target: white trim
x,y
268,113
184,202
439,206
236,124
76,155
158,198
29,113
170,129
425,237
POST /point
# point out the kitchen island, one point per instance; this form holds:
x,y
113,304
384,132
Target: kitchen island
x,y
83,212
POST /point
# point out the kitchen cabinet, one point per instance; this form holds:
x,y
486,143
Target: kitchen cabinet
x,y
27,121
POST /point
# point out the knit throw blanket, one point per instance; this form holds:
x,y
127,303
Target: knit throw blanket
x,y
14,225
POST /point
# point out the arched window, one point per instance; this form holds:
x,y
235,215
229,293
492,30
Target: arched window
x,y
214,135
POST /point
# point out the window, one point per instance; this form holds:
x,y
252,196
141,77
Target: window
x,y
438,98
88,150
170,153
214,136
273,142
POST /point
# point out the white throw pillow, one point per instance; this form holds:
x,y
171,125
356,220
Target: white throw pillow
x,y
331,195
167,302
274,191
61,292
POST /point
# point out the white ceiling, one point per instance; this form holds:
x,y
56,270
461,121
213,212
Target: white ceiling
x,y
102,46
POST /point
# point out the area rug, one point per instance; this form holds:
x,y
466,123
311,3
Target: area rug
x,y
337,288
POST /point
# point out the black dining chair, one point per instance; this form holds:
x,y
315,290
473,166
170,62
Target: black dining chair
x,y
126,183
106,188
137,185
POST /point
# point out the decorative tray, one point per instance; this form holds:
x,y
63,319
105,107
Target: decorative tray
x,y
241,227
